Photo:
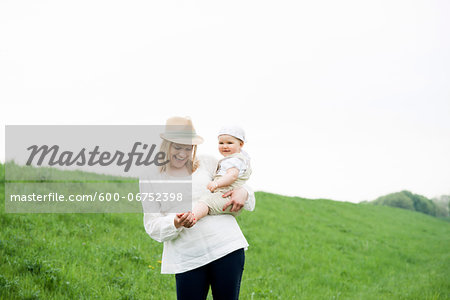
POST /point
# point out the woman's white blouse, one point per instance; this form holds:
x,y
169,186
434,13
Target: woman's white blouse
x,y
211,238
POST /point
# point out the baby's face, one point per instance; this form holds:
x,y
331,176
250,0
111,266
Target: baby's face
x,y
229,144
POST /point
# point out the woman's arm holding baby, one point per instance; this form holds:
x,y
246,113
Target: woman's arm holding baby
x,y
242,197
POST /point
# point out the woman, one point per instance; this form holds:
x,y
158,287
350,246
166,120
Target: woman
x,y
211,253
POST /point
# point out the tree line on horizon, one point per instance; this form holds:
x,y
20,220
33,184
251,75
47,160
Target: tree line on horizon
x,y
437,207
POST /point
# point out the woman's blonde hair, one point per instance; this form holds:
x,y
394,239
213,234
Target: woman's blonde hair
x,y
192,163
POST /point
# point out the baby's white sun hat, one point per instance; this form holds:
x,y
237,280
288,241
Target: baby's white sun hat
x,y
233,130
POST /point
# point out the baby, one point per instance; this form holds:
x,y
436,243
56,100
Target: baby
x,y
232,171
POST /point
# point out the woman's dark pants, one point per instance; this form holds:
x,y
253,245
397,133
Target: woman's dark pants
x,y
224,275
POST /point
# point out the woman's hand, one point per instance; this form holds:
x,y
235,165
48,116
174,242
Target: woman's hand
x,y
184,219
237,199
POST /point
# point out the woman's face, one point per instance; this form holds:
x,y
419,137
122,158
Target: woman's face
x,y
179,155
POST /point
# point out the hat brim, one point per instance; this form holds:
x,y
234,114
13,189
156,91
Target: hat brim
x,y
196,140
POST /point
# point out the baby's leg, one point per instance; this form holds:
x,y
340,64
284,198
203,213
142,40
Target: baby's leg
x,y
217,202
200,210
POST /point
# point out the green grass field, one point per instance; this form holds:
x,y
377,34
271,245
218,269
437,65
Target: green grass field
x,y
299,249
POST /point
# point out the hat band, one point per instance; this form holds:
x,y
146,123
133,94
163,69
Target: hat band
x,y
182,134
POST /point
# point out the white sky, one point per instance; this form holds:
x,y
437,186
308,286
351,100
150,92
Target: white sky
x,y
346,100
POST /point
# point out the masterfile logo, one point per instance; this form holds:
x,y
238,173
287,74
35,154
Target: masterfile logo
x,y
87,168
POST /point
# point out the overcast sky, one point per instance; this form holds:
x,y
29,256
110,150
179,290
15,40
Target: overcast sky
x,y
346,100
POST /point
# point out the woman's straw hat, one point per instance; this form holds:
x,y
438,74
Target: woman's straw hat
x,y
181,131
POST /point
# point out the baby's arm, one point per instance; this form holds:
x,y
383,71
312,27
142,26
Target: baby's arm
x,y
226,180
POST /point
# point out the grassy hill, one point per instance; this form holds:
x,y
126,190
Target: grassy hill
x,y
299,249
